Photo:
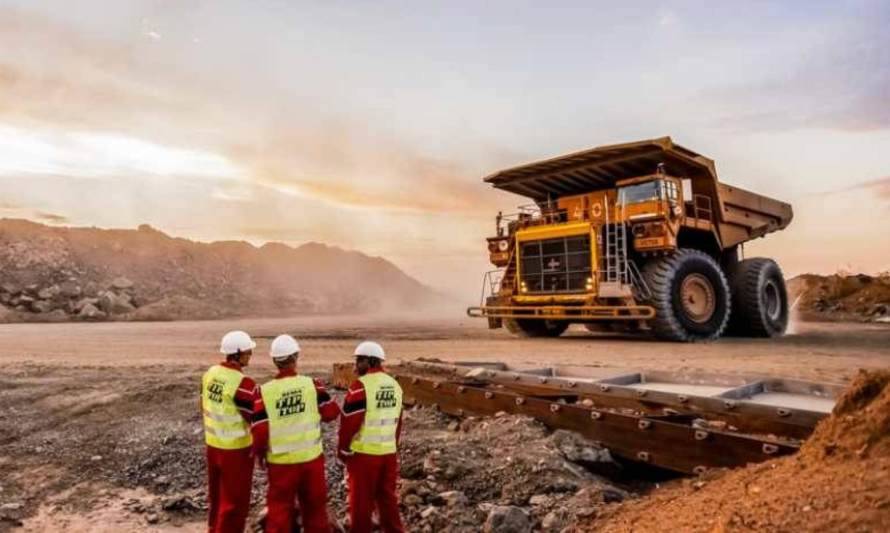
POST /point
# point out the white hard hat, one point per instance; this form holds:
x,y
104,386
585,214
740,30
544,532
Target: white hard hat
x,y
370,349
284,346
236,341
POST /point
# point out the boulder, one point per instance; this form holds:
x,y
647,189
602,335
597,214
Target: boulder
x,y
42,306
91,312
70,289
5,313
121,283
507,519
113,304
10,288
56,315
48,293
80,304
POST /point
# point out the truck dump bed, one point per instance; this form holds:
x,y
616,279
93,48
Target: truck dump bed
x,y
740,215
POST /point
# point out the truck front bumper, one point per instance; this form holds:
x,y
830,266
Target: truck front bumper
x,y
575,313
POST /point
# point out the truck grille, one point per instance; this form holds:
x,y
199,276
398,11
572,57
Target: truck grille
x,y
555,265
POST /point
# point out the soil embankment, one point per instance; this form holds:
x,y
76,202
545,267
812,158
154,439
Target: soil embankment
x,y
840,481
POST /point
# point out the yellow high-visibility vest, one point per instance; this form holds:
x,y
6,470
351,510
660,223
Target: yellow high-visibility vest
x,y
294,422
384,407
224,427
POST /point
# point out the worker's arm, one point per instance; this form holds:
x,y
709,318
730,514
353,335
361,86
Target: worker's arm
x,y
260,428
352,418
244,398
327,407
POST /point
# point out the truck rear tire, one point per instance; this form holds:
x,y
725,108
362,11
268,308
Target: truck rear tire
x,y
690,295
759,299
525,327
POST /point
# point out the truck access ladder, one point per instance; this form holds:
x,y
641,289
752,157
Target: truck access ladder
x,y
619,276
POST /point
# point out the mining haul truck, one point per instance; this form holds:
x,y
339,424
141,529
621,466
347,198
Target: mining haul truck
x,y
633,236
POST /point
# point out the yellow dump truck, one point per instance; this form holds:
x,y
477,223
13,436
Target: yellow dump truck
x,y
639,235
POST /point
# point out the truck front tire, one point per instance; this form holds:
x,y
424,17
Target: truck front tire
x,y
759,299
690,295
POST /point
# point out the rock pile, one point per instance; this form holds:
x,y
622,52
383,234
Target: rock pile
x,y
55,274
856,297
68,300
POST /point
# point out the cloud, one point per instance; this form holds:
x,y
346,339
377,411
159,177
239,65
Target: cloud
x,y
880,187
51,218
842,83
106,108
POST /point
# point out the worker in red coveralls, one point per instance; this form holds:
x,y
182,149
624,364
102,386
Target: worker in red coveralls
x,y
370,428
287,440
227,398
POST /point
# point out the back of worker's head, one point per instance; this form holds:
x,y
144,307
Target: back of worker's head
x,y
284,351
237,346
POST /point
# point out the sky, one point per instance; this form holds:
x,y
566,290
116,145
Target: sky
x,y
369,125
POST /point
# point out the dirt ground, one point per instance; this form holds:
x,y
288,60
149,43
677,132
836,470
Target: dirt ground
x,y
100,431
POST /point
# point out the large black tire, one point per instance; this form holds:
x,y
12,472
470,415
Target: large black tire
x,y
759,299
524,327
690,295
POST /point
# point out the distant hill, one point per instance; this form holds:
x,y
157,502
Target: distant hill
x,y
842,296
57,274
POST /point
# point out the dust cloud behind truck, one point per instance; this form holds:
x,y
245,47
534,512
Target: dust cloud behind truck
x,y
640,235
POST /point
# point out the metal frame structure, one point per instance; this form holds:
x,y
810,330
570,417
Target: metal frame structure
x,y
665,429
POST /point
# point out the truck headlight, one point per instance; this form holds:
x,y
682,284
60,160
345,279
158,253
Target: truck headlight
x,y
503,245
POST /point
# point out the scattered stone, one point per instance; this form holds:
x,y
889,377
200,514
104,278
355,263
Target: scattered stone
x,y
11,506
552,522
412,500
454,425
539,499
122,283
152,518
454,498
428,512
96,458
507,519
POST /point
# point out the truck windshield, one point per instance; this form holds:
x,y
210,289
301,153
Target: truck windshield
x,y
641,192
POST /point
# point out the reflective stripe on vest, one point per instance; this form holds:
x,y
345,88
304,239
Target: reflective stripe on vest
x,y
294,421
224,427
383,397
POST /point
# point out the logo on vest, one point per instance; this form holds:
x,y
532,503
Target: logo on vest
x,y
215,391
386,397
290,403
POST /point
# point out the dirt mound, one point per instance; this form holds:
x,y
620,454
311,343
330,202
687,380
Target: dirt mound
x,y
842,296
840,481
57,274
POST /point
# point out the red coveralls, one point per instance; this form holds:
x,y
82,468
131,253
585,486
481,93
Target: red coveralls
x,y
230,472
305,481
371,478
